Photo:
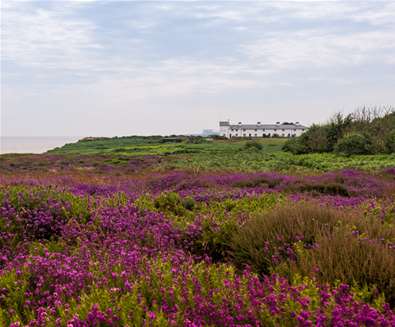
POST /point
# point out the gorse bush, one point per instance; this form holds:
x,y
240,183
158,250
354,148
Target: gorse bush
x,y
354,143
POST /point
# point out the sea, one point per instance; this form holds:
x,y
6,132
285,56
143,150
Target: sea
x,y
33,144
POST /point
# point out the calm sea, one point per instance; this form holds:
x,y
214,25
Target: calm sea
x,y
22,144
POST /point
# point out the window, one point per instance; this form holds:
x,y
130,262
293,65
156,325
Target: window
x,y
249,135
256,129
256,134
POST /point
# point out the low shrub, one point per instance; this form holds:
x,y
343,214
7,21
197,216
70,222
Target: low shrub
x,y
294,146
315,139
325,188
390,142
259,181
354,143
171,202
196,140
253,145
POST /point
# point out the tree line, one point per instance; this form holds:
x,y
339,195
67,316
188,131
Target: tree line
x,y
368,130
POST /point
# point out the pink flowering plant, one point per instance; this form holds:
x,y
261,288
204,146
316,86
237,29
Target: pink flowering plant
x,y
204,249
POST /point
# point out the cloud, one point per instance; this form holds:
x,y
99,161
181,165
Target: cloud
x,y
113,54
58,38
319,48
47,38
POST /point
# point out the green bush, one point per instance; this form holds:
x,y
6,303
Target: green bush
x,y
314,140
253,145
354,143
295,146
196,140
172,203
390,142
336,128
335,135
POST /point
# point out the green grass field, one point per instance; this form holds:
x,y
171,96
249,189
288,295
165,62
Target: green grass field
x,y
217,155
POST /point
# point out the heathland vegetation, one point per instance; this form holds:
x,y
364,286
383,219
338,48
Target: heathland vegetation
x,y
181,231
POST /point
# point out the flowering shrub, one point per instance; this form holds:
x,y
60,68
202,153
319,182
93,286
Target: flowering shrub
x,y
235,249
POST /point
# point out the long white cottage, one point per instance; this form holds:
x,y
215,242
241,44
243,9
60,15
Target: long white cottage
x,y
285,129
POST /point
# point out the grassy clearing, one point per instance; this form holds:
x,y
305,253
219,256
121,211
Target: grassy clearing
x,y
137,154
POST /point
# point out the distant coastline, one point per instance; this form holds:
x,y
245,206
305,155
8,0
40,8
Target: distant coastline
x,y
33,144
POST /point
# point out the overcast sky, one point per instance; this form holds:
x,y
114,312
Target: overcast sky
x,y
78,68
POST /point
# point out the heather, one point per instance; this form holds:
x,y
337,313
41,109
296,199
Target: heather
x,y
182,248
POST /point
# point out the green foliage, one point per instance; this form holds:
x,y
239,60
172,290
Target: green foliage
x,y
253,145
315,139
172,203
336,128
342,134
390,142
16,286
354,143
295,146
196,140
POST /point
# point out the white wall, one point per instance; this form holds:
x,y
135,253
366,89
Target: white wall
x,y
239,132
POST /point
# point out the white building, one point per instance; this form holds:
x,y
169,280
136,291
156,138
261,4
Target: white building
x,y
261,130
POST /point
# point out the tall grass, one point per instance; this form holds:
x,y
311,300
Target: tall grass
x,y
354,260
262,239
324,243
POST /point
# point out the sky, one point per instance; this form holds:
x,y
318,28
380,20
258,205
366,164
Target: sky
x,y
104,68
